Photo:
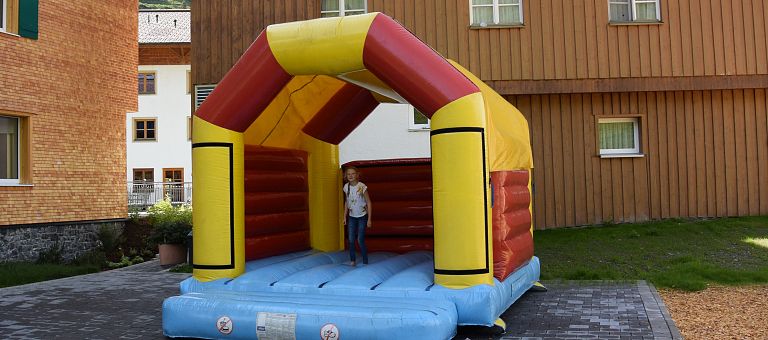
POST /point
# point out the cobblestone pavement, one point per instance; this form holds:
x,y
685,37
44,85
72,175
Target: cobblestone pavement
x,y
119,304
585,310
126,304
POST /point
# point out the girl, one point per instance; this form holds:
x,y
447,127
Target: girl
x,y
357,213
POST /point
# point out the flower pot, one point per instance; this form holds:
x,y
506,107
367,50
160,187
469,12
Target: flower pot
x,y
171,254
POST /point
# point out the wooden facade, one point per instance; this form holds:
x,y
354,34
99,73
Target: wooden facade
x,y
697,81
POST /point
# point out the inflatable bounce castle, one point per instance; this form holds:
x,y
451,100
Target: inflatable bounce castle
x,y
451,242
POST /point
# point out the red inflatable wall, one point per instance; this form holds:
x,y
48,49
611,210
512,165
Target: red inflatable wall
x,y
401,195
276,202
512,239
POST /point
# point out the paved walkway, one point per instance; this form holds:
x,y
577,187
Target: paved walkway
x,y
586,310
126,304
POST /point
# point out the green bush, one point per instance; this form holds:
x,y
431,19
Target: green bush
x,y
111,239
50,256
170,224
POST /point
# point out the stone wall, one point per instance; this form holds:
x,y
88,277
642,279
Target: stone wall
x,y
25,243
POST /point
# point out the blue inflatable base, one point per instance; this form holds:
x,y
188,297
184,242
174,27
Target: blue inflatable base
x,y
308,295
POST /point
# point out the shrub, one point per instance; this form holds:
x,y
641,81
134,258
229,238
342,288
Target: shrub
x,y
170,223
111,239
50,256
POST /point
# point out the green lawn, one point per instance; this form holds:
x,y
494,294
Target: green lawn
x,y
682,254
19,273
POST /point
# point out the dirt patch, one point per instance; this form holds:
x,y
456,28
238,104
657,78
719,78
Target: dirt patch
x,y
720,312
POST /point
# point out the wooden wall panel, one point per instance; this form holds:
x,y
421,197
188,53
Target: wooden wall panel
x,y
695,38
706,154
706,150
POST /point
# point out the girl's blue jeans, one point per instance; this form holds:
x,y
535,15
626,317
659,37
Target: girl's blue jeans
x,y
356,230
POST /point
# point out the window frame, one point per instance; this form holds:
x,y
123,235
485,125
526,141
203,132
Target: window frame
x,y
495,5
25,149
342,10
143,170
412,125
615,153
144,119
3,16
19,141
154,74
633,12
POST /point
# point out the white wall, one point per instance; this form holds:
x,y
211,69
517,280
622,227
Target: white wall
x,y
385,134
171,106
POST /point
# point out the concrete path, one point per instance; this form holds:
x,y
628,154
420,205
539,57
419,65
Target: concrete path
x,y
126,304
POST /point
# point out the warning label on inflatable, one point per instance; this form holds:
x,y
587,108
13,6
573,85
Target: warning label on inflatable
x,y
329,332
275,326
224,325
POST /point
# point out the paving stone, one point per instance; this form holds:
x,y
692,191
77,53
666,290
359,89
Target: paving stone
x,y
587,310
124,303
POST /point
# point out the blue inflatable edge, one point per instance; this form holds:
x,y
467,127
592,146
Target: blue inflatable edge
x,y
477,305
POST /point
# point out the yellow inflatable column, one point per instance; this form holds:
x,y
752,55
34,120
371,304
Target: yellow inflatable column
x,y
461,194
217,209
324,185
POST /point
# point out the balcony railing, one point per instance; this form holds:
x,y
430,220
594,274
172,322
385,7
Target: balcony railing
x,y
144,194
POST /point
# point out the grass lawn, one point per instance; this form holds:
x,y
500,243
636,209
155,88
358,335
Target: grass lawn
x,y
19,273
682,254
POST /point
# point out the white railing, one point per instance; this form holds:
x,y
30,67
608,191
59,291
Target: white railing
x,y
145,194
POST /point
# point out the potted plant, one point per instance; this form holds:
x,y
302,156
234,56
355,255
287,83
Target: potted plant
x,y
170,226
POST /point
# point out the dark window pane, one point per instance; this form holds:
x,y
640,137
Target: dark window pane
x,y
419,118
151,124
150,134
139,134
150,86
139,125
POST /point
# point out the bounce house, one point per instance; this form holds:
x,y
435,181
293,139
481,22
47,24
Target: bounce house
x,y
451,241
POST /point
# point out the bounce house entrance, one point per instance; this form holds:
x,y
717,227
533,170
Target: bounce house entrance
x,y
401,194
276,202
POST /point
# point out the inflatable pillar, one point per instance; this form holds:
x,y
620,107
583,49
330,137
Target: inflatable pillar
x,y
461,194
217,157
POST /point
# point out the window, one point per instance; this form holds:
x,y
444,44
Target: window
x,y
340,8
144,129
417,120
19,17
189,128
202,92
485,13
619,136
3,19
144,175
173,186
189,82
634,10
147,82
10,167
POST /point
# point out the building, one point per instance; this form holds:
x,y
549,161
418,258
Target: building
x,y
638,110
62,109
158,135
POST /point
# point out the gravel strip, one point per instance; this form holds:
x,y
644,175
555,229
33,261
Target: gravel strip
x,y
720,312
